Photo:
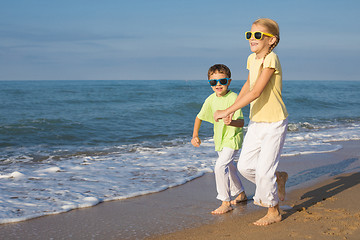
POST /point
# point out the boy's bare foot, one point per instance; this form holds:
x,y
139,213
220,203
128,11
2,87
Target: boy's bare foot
x,y
240,198
281,181
224,208
273,216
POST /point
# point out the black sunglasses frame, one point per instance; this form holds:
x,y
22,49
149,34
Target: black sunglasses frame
x,y
222,81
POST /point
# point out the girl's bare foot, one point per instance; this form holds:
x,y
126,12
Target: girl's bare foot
x,y
224,208
273,216
267,220
240,198
281,181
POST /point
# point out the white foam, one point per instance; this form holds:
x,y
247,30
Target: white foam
x,y
55,186
49,170
66,184
14,175
318,141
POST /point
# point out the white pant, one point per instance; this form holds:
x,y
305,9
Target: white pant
x,y
227,178
259,159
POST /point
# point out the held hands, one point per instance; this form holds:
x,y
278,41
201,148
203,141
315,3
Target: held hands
x,y
227,120
221,114
195,141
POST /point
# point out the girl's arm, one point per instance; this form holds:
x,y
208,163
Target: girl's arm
x,y
195,141
245,88
245,98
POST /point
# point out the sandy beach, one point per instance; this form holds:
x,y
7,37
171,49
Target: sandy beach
x,y
328,210
321,204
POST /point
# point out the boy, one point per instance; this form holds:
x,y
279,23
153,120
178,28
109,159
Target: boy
x,y
228,137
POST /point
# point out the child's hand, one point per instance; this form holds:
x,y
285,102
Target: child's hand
x,y
219,114
227,120
195,141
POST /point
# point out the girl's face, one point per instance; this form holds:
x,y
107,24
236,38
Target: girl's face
x,y
260,47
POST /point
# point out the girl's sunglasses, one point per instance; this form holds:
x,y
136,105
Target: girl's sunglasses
x,y
222,81
257,35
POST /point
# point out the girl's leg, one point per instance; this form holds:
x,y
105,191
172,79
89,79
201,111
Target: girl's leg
x,y
266,177
266,193
273,216
249,153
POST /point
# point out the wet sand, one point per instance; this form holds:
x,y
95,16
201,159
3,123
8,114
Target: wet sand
x,y
323,199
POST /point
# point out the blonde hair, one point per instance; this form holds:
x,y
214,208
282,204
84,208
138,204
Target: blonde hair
x,y
272,27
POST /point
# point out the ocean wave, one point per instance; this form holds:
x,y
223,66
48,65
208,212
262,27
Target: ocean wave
x,y
307,139
59,185
325,124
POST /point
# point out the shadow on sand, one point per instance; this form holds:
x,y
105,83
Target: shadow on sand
x,y
326,170
320,194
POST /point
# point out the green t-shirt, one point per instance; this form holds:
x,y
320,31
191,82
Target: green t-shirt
x,y
224,136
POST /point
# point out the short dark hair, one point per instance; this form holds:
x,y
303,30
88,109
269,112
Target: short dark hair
x,y
220,68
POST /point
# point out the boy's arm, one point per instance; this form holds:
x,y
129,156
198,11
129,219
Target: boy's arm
x,y
195,141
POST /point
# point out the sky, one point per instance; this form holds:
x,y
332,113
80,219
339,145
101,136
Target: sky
x,y
172,39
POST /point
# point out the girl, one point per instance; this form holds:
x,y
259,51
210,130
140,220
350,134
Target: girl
x,y
265,137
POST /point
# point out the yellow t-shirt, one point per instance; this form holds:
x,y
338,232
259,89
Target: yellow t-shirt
x,y
269,107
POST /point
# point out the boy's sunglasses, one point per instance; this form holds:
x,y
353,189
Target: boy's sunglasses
x,y
257,35
222,81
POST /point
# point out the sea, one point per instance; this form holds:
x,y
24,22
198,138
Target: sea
x,y
66,145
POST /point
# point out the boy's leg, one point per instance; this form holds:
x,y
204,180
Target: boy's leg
x,y
222,173
222,179
236,187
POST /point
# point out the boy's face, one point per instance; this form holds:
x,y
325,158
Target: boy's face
x,y
220,90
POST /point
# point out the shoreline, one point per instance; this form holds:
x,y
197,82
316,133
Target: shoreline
x,y
186,208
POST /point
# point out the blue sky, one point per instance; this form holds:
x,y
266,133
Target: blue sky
x,y
168,39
